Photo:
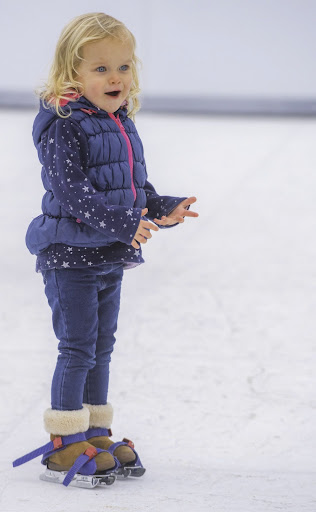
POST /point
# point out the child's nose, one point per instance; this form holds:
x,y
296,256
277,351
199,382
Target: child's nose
x,y
114,78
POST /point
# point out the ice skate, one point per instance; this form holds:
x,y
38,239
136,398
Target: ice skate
x,y
71,459
99,435
130,464
96,470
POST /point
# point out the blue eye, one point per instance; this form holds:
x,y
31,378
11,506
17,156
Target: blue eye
x,y
101,69
124,66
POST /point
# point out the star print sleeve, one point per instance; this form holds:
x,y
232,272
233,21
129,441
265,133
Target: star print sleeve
x,y
65,161
160,205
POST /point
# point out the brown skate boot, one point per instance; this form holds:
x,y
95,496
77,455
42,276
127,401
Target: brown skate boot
x,y
65,423
64,459
100,421
123,453
69,457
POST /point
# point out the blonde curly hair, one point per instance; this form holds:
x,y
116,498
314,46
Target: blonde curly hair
x,y
62,82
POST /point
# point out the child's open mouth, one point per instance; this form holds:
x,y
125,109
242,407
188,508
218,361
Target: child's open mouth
x,y
113,93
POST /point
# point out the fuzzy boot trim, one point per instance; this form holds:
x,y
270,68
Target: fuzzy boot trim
x,y
101,416
65,423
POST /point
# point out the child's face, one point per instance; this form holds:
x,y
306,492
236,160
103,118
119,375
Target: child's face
x,y
107,67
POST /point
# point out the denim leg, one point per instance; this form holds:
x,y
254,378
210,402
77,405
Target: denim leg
x,y
73,297
97,381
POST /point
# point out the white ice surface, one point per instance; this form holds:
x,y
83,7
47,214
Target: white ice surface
x,y
213,375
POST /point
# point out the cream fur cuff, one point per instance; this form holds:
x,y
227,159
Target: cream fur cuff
x,y
65,423
101,416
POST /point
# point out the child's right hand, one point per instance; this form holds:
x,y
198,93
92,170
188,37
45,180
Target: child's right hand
x,y
143,231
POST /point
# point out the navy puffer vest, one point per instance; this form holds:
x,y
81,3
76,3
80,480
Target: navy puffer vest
x,y
100,151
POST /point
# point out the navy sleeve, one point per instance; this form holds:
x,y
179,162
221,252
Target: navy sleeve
x,y
65,157
160,205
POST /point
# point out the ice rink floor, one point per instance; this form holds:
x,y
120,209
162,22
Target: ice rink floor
x,y
213,374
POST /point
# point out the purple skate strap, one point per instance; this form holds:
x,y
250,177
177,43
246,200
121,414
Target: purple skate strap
x,y
130,445
93,432
56,444
89,454
83,460
113,446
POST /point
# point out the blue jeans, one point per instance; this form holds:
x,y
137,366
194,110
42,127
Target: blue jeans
x,y
85,305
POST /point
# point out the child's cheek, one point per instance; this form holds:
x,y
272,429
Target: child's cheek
x,y
93,87
97,85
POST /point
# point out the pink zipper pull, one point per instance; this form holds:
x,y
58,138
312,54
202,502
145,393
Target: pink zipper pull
x,y
120,123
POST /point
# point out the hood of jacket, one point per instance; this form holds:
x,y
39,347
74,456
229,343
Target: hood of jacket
x,y
46,116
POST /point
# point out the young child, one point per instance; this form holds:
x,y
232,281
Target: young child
x,y
95,208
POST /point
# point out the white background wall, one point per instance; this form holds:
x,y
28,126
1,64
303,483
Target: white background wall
x,y
244,48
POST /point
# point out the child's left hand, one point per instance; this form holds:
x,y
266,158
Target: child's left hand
x,y
178,214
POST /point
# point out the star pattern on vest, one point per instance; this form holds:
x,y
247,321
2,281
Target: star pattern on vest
x,y
66,164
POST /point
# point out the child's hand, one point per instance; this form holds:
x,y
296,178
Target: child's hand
x,y
143,231
178,214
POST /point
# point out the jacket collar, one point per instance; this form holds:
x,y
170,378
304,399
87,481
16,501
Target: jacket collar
x,y
82,103
47,114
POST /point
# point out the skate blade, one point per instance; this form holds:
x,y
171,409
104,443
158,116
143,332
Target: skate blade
x,y
85,481
134,471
